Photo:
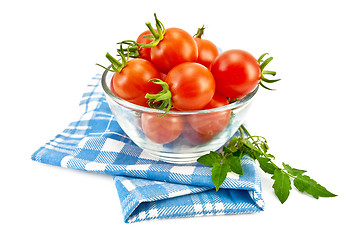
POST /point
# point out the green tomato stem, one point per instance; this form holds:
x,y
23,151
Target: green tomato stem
x,y
200,32
132,49
161,100
116,66
157,35
152,30
262,64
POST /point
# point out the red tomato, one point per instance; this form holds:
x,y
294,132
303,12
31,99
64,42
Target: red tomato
x,y
132,82
192,86
144,52
111,86
194,137
218,100
177,46
213,123
164,129
236,73
162,76
207,52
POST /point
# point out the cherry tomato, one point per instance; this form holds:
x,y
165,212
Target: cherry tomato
x,y
192,86
111,86
194,137
162,76
210,124
218,100
236,73
207,52
177,46
163,129
132,82
144,52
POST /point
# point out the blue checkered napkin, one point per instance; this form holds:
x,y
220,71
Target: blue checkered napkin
x,y
147,188
148,199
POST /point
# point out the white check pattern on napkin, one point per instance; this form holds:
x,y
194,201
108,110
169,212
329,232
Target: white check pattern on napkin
x,y
147,188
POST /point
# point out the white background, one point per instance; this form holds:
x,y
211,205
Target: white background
x,y
48,53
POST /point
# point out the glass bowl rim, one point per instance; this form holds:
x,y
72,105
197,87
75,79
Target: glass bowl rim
x,y
139,108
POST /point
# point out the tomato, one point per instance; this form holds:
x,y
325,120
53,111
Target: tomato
x,y
132,82
144,52
162,76
194,137
163,129
111,86
207,52
177,46
218,100
192,86
236,73
210,124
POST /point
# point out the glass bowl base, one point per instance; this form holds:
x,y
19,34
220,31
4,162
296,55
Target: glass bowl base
x,y
181,158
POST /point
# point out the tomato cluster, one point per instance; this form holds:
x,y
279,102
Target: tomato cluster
x,y
173,70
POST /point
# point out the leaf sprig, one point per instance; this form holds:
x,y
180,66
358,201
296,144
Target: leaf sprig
x,y
229,160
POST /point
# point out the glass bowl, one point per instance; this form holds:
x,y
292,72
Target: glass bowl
x,y
180,136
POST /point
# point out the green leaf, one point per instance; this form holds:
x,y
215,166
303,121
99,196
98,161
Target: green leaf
x,y
251,146
210,159
282,185
235,164
266,165
264,147
219,173
233,141
232,145
227,149
305,184
293,171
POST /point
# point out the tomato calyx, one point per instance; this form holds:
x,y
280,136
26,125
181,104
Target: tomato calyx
x,y
161,100
131,49
116,66
262,65
200,32
157,36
